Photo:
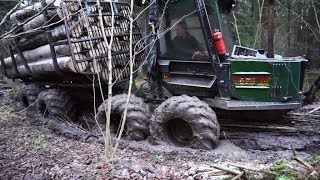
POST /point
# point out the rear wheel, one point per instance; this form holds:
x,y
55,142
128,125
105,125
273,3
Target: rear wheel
x,y
56,103
186,122
29,94
137,121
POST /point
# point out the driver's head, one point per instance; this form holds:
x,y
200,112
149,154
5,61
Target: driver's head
x,y
181,29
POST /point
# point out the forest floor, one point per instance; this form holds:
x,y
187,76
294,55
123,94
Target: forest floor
x,y
32,147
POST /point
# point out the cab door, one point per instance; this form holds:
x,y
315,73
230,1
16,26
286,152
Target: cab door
x,y
185,60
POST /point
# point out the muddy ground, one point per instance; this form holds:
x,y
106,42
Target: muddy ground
x,y
32,147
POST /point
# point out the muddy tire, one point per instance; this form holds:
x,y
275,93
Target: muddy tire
x,y
28,94
186,122
137,121
56,103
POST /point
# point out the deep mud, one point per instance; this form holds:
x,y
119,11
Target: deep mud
x,y
264,147
238,144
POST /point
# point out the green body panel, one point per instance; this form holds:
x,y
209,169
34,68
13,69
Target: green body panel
x,y
265,80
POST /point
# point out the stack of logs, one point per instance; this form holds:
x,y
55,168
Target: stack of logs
x,y
77,28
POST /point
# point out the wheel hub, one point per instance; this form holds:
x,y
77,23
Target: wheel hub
x,y
43,109
115,124
179,132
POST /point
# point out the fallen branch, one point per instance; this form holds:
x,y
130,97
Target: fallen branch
x,y
274,128
298,159
293,151
225,169
238,176
253,169
314,110
9,13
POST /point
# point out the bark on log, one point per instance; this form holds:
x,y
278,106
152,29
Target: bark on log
x,y
115,45
86,44
95,67
46,67
40,20
93,20
104,75
94,31
81,66
38,53
108,21
6,40
117,74
102,47
21,15
77,31
76,47
43,67
94,52
73,7
58,33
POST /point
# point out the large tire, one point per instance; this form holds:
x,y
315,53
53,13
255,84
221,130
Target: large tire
x,y
186,122
56,103
137,121
28,94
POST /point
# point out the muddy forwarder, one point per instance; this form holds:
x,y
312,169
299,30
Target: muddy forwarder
x,y
193,69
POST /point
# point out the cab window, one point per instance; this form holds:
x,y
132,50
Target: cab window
x,y
182,33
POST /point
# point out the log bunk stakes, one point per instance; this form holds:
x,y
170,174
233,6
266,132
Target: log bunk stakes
x,y
62,38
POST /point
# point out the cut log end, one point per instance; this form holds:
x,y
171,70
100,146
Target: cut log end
x,y
82,66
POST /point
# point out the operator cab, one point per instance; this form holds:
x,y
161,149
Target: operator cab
x,y
182,33
185,60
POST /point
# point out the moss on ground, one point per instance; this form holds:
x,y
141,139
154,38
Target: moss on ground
x,y
8,115
285,171
14,94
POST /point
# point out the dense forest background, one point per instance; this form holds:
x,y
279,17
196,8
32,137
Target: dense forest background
x,y
297,27
5,7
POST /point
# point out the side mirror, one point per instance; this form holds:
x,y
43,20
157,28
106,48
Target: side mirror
x,y
226,6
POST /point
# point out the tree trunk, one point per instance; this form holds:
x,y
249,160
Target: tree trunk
x,y
43,67
40,20
77,31
73,7
81,66
289,22
46,67
58,33
22,14
29,11
252,7
38,53
271,30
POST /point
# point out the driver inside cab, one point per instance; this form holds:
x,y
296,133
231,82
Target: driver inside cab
x,y
186,46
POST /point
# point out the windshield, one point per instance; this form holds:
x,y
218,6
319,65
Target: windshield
x,y
183,37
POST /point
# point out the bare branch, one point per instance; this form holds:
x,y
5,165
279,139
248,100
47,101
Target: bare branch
x,y
130,81
9,13
26,21
316,14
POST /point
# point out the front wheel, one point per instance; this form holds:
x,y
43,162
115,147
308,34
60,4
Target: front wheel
x,y
137,121
186,122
